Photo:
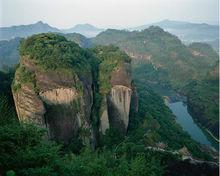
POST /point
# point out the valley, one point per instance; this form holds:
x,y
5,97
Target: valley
x,y
178,105
99,103
161,58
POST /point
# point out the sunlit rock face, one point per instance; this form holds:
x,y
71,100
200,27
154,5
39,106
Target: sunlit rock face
x,y
59,96
119,106
29,106
118,100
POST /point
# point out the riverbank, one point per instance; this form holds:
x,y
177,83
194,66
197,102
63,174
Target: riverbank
x,y
217,140
171,96
200,118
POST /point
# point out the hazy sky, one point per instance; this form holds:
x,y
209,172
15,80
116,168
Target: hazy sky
x,y
106,13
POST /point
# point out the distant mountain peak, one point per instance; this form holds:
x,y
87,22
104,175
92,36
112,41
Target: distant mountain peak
x,y
154,27
40,22
85,26
85,29
26,30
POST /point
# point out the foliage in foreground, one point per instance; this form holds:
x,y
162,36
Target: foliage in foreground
x,y
23,152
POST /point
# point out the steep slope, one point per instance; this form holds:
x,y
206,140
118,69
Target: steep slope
x,y
57,83
81,40
7,107
115,87
165,61
53,87
7,33
203,100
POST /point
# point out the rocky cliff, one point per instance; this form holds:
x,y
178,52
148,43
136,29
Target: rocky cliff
x,y
119,97
55,84
116,89
52,95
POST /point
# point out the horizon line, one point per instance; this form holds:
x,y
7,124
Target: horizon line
x,y
111,26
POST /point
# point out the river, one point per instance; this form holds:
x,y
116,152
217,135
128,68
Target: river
x,y
179,109
177,105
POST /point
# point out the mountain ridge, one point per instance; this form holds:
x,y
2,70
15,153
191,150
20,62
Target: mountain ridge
x,y
86,29
188,32
25,30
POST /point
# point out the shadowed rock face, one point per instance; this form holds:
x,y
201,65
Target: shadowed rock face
x,y
56,104
104,120
60,96
56,96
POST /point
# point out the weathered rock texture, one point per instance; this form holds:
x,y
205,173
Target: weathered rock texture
x,y
104,120
60,96
56,96
29,106
116,104
56,104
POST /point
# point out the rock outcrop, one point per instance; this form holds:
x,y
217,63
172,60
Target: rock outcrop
x,y
29,106
104,118
59,99
115,106
59,95
56,104
119,98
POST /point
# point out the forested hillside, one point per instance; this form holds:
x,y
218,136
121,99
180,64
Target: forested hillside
x,y
189,32
153,142
116,155
169,63
9,55
174,64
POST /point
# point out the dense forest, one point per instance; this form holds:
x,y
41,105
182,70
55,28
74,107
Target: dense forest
x,y
152,144
25,151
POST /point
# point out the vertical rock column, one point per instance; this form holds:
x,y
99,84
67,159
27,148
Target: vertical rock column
x,y
116,104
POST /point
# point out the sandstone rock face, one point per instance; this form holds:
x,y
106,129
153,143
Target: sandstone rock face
x,y
29,106
104,121
59,96
56,104
56,82
117,106
60,100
